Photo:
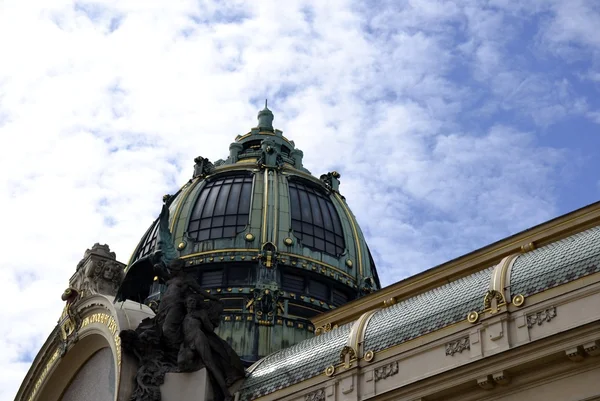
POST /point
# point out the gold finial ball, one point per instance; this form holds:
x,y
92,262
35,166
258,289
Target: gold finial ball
x,y
349,263
369,355
249,237
335,174
288,241
181,245
518,300
330,371
473,317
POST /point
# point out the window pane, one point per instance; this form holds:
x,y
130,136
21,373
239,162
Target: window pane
x,y
234,198
314,219
245,196
212,278
223,202
209,206
318,289
292,283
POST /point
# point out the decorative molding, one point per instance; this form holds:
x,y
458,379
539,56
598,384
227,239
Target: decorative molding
x,y
326,328
540,317
528,247
518,300
486,382
501,378
575,354
458,346
317,395
592,348
386,371
492,300
347,355
473,317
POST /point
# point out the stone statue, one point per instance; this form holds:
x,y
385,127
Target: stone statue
x,y
181,338
203,167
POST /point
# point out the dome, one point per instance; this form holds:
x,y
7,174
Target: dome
x,y
276,244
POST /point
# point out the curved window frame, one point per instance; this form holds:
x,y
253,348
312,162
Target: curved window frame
x,y
149,242
221,210
314,218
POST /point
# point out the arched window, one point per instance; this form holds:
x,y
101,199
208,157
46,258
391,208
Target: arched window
x,y
314,219
148,243
222,209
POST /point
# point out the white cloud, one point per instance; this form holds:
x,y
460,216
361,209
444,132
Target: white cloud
x,y
104,105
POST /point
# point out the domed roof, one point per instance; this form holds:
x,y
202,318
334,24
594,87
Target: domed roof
x,y
278,244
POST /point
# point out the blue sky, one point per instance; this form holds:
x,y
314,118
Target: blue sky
x,y
453,123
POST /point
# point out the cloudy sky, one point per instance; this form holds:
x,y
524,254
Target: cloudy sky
x,y
453,124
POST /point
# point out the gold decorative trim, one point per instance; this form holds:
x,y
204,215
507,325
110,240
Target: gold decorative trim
x,y
493,300
354,231
518,300
197,254
249,237
528,247
389,302
473,317
330,371
265,205
288,241
369,355
292,255
181,245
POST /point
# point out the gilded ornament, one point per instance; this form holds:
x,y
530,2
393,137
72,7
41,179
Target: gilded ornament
x,y
349,263
518,300
369,355
288,241
181,245
330,371
473,317
389,302
249,237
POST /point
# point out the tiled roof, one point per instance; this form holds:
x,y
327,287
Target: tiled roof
x,y
299,362
557,263
427,312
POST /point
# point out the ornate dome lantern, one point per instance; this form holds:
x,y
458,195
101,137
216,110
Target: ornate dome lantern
x,y
275,243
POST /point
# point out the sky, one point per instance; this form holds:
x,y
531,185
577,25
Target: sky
x,y
453,123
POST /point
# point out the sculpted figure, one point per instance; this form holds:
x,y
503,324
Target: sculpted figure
x,y
202,347
172,308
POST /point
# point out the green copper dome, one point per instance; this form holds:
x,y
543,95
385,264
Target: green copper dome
x,y
275,243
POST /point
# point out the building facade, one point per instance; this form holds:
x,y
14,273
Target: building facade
x,y
304,309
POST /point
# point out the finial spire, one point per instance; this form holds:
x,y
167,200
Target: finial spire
x,y
265,119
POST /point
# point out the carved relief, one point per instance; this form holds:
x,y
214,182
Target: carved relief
x,y
98,272
386,371
69,322
318,395
540,317
458,346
